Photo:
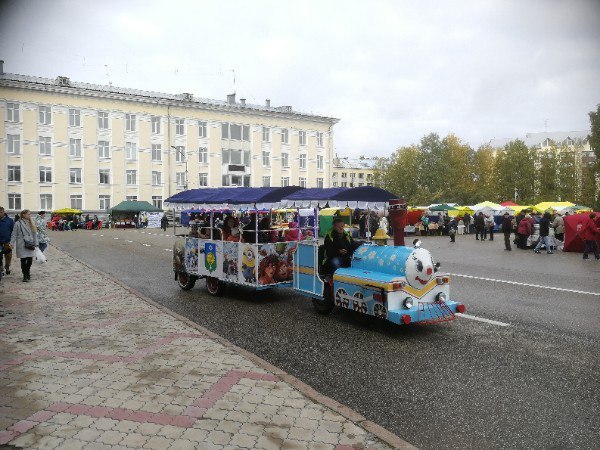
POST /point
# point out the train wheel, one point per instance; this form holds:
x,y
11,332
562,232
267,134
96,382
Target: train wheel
x,y
186,281
324,306
214,286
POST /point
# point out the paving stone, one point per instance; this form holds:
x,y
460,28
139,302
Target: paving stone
x,y
134,440
111,437
219,437
183,444
243,441
158,443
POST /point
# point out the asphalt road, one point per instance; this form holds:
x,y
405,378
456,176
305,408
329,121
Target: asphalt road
x,y
526,377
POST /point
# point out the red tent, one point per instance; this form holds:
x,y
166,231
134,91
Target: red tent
x,y
509,203
573,224
414,215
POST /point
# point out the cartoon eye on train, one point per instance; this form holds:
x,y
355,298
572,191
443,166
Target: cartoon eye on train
x,y
400,284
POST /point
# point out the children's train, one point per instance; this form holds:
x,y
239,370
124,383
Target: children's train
x,y
401,284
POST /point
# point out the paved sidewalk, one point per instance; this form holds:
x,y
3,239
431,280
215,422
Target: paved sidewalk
x,y
85,362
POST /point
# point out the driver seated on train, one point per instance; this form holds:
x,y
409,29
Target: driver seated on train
x,y
339,247
230,229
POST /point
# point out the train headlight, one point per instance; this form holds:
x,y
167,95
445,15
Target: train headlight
x,y
441,297
407,303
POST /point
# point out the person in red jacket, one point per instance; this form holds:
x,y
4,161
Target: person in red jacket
x,y
524,231
590,234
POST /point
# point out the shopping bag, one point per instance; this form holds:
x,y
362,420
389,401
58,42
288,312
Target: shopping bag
x,y
39,256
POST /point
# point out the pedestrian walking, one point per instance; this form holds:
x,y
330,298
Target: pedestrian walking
x,y
25,241
467,221
524,230
42,227
452,227
164,222
489,226
479,223
6,229
544,234
590,234
506,228
559,227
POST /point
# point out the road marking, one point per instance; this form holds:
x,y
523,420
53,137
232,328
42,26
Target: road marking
x,y
127,240
116,238
481,319
146,245
101,235
527,284
168,249
93,234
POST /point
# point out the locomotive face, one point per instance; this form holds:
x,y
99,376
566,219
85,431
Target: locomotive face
x,y
419,268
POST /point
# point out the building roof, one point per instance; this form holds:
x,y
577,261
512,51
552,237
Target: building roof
x,y
538,139
65,85
347,163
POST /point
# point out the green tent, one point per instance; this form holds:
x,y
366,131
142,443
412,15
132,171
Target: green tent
x,y
133,207
442,207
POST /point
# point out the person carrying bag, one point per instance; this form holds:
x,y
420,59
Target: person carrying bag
x,y
25,242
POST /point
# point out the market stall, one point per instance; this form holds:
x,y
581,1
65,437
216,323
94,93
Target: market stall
x,y
126,213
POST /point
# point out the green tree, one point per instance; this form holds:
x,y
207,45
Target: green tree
x,y
567,178
515,171
401,174
432,167
546,178
483,176
592,182
458,173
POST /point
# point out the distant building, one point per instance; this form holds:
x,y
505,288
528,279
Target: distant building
x,y
559,139
346,172
86,146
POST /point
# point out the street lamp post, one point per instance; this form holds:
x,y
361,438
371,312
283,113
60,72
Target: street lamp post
x,y
178,149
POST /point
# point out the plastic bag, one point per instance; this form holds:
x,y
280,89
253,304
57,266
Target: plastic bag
x,y
39,256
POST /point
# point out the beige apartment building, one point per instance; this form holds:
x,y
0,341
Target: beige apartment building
x,y
347,172
85,146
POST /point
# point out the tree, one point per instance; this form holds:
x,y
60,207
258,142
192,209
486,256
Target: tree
x,y
567,178
401,176
546,186
593,178
457,173
483,174
432,167
515,171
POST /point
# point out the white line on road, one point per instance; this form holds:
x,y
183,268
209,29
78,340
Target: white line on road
x,y
168,249
115,238
481,319
127,240
526,284
146,245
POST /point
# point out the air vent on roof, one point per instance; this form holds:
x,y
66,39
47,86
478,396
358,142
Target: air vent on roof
x,y
63,81
284,108
231,99
187,96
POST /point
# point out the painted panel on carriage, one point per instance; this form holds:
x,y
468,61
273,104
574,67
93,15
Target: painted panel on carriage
x,y
230,261
191,255
275,262
179,255
211,261
248,265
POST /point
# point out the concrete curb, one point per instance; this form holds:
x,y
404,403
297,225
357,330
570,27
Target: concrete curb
x,y
381,433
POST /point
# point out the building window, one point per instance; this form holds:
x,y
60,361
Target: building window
x,y
180,178
285,181
202,179
203,155
75,148
179,127
155,125
129,122
334,175
361,175
180,153
202,129
12,112
361,184
240,157
131,176
266,134
14,201
45,174
236,180
104,201
235,132
74,118
103,120
13,142
285,160
343,174
104,176
319,162
319,139
352,175
285,136
46,201
266,159
266,181
156,152
130,151
103,149
302,137
302,182
75,176
157,201
76,202
156,178
344,184
303,161
334,184
45,115
319,182
131,198
14,173
45,146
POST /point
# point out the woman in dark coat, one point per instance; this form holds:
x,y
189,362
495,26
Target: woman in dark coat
x,y
25,231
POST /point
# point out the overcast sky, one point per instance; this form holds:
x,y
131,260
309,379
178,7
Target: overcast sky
x,y
391,71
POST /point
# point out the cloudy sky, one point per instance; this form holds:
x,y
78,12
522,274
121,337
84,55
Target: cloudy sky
x,y
391,70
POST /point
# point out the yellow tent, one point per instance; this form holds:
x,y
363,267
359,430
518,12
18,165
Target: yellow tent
x,y
545,206
67,211
518,208
460,211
